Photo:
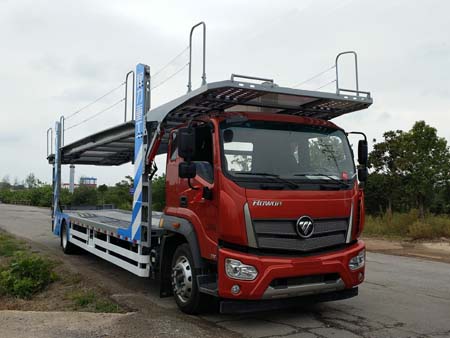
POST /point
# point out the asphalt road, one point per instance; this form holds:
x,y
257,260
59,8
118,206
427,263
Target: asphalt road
x,y
401,297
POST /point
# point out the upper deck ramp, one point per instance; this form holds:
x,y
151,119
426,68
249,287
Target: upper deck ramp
x,y
112,146
231,95
115,146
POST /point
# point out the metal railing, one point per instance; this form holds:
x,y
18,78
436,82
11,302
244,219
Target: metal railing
x,y
189,85
131,72
49,141
233,76
336,65
62,121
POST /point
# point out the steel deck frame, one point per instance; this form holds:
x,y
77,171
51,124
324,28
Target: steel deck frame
x,y
115,146
110,147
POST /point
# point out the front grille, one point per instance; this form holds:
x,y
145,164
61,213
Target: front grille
x,y
281,234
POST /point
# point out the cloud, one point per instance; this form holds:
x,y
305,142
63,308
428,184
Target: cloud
x,y
59,55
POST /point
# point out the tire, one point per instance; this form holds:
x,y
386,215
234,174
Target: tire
x,y
67,247
184,281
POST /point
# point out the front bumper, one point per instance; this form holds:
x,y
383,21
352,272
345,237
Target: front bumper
x,y
274,268
238,306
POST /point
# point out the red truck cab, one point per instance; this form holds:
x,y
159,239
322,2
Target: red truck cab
x,y
275,202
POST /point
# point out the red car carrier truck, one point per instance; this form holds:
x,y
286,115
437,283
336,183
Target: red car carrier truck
x,y
264,202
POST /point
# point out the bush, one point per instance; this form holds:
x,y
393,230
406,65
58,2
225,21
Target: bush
x,y
26,275
419,230
408,225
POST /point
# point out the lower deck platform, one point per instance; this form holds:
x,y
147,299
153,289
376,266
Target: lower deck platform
x,y
110,220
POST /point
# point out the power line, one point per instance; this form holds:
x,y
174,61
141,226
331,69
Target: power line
x,y
96,114
95,101
326,84
315,76
170,62
171,76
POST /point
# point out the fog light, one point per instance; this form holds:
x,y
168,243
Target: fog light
x,y
235,289
237,270
358,261
360,276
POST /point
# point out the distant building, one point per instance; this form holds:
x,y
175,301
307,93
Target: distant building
x,y
88,181
67,185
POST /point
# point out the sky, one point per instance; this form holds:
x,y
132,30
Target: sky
x,y
58,56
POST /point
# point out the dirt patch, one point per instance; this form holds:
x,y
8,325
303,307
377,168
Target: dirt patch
x,y
435,251
17,324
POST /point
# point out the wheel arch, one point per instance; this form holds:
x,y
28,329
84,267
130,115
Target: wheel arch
x,y
177,231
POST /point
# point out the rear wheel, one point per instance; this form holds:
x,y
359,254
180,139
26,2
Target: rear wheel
x,y
68,248
184,281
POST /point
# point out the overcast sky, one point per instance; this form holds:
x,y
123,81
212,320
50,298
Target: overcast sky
x,y
57,56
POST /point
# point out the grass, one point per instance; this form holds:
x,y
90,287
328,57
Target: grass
x,y
22,274
88,300
408,225
27,276
9,245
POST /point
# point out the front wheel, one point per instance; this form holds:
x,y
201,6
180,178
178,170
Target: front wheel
x,y
184,281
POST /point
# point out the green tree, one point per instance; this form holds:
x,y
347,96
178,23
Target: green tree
x,y
120,195
5,183
84,195
413,163
427,162
31,181
159,193
385,159
102,189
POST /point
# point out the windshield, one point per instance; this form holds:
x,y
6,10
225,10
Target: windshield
x,y
286,150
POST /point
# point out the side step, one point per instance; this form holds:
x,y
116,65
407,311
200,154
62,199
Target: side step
x,y
208,284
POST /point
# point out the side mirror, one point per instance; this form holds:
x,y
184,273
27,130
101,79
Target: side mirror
x,y
186,143
187,170
362,174
362,153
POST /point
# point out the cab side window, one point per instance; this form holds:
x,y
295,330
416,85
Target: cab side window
x,y
204,159
174,147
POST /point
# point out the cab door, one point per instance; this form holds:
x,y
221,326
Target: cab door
x,y
203,199
198,201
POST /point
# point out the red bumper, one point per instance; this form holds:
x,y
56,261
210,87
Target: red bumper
x,y
270,268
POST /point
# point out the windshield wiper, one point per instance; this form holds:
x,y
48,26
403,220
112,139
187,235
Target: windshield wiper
x,y
292,184
342,183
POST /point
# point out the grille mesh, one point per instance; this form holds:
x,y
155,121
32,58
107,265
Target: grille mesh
x,y
282,235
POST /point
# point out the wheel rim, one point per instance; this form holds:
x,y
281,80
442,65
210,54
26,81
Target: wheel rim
x,y
64,236
182,279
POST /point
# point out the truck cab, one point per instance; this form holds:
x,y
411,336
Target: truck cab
x,y
275,203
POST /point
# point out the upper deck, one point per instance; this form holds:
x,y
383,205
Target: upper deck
x,y
115,146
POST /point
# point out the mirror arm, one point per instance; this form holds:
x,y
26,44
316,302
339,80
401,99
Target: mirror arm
x,y
358,133
191,186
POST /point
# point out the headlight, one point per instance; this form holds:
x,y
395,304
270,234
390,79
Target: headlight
x,y
358,261
237,270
